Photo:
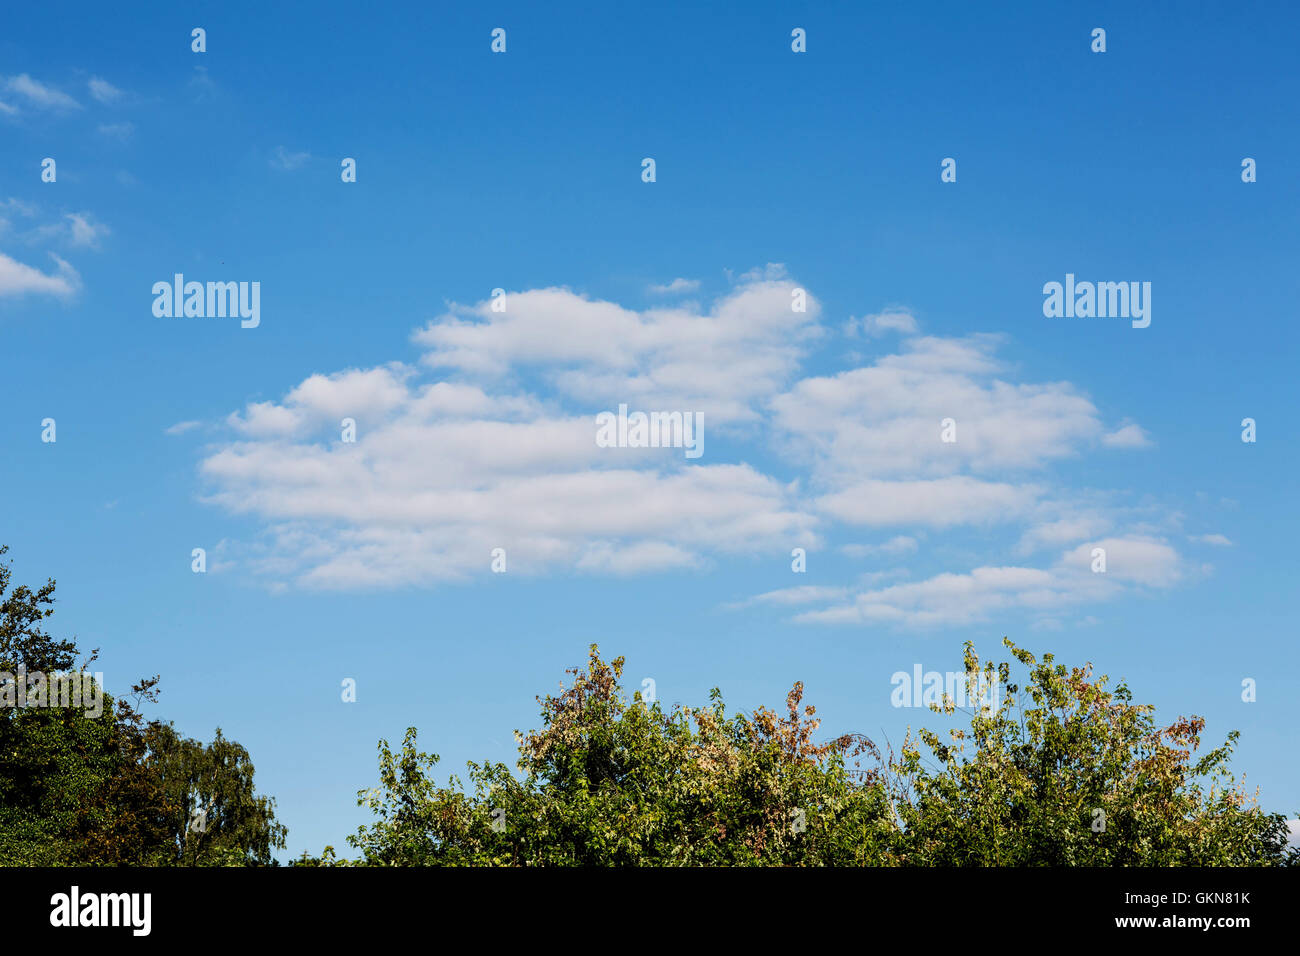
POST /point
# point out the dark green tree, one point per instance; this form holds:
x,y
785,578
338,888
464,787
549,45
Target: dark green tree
x,y
217,818
112,788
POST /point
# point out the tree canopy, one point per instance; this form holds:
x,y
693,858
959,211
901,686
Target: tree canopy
x,y
88,786
1059,770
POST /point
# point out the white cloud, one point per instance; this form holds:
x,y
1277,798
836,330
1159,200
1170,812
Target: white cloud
x,y
180,428
489,441
1132,560
1078,525
722,363
945,598
78,229
1215,539
970,598
637,558
676,286
1129,436
442,473
898,545
358,516
19,279
350,394
39,95
804,594
83,230
885,419
772,272
939,502
17,205
103,91
882,323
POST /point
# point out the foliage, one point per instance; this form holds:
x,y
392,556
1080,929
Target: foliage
x,y
1065,772
113,788
612,782
218,819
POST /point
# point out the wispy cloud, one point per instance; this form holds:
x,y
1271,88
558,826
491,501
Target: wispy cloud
x,y
17,205
676,286
77,229
201,85
286,160
84,230
975,596
881,323
104,91
803,594
18,279
118,131
40,95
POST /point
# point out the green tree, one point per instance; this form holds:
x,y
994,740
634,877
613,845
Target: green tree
x,y
112,788
613,782
217,818
1066,772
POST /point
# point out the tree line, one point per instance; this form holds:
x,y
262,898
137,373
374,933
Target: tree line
x,y
1060,769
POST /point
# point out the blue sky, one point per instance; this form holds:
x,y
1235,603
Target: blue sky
x,y
775,171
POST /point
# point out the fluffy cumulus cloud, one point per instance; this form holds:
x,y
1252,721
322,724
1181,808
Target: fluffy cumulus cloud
x,y
885,420
725,362
443,473
1128,436
487,441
